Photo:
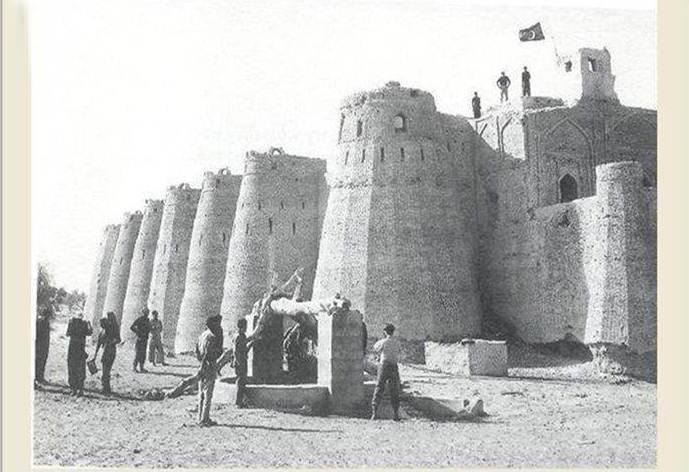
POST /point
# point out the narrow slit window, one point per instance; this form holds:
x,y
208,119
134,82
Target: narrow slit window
x,y
339,135
382,154
401,154
593,66
270,226
449,149
303,205
224,238
346,157
363,155
423,157
259,204
176,247
164,249
294,228
143,253
246,230
282,205
359,127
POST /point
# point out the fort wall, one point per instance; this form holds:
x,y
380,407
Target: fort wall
x,y
141,270
93,309
399,232
121,263
172,254
277,229
207,261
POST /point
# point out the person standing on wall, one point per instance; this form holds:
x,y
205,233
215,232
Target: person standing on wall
x,y
388,372
142,328
109,338
42,344
155,345
476,105
241,353
503,84
209,348
77,330
526,83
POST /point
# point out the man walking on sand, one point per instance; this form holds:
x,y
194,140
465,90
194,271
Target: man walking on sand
x,y
209,348
389,349
155,345
142,328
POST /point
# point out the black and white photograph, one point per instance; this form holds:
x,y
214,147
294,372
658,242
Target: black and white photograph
x,y
399,233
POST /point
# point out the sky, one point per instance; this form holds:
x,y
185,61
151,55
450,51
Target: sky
x,y
132,96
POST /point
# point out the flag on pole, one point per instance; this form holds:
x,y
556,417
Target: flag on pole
x,y
532,33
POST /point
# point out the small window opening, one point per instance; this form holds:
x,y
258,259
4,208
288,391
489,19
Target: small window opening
x,y
164,249
449,149
399,123
568,189
303,205
246,231
217,182
120,261
270,226
282,205
593,66
568,66
401,154
294,228
176,247
339,134
346,157
273,165
359,127
224,238
143,253
382,154
423,157
200,240
363,155
259,204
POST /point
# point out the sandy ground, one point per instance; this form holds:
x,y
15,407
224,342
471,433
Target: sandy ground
x,y
537,417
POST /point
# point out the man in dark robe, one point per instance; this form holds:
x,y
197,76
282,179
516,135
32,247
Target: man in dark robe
x,y
108,338
142,328
476,105
42,345
77,330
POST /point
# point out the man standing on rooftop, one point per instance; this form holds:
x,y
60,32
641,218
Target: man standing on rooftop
x,y
503,84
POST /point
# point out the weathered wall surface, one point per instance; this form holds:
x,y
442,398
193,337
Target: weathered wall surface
x,y
207,261
121,263
172,254
93,309
399,232
141,269
276,229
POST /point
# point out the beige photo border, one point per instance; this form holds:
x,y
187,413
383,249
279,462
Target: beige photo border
x,y
673,247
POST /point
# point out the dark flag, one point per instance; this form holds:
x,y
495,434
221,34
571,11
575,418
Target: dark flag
x,y
532,33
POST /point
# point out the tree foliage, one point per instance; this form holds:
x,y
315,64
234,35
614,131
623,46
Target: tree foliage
x,y
51,297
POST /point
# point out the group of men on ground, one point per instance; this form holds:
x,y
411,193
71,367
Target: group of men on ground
x,y
503,84
209,351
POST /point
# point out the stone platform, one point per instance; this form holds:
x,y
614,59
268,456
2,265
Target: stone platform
x,y
468,357
304,398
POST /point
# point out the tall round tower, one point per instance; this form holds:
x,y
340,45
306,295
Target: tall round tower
x,y
121,263
101,274
142,266
399,236
276,228
172,253
210,240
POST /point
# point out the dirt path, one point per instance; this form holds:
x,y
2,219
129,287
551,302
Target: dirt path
x,y
532,422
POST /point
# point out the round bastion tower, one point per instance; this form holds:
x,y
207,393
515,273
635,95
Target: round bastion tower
x,y
172,254
276,229
399,235
210,240
142,267
121,263
93,309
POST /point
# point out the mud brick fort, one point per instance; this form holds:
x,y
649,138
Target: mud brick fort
x,y
539,214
